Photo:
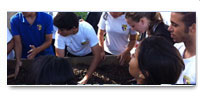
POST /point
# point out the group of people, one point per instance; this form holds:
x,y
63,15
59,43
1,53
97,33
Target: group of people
x,y
163,54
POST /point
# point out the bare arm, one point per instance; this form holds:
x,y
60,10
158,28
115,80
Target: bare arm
x,y
34,51
101,43
60,52
132,42
10,46
18,53
101,38
96,52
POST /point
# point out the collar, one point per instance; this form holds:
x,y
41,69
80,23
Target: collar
x,y
23,19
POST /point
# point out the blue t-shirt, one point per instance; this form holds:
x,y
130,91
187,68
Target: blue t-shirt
x,y
32,34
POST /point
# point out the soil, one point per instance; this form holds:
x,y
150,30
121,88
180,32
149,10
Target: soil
x,y
118,75
105,75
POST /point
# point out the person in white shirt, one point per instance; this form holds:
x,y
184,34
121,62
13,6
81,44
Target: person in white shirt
x,y
119,40
80,39
183,32
10,45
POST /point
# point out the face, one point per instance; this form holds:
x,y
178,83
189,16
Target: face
x,y
65,32
177,28
116,14
134,67
28,14
140,26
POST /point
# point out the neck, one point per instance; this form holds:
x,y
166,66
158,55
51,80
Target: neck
x,y
190,49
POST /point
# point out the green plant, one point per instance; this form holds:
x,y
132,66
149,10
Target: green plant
x,y
83,15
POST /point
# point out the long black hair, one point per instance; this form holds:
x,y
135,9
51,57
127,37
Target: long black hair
x,y
159,61
47,70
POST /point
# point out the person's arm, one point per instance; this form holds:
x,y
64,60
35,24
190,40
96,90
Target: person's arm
x,y
18,53
35,50
60,52
101,42
96,52
125,56
10,46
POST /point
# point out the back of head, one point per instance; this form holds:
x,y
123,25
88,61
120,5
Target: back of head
x,y
159,61
47,70
66,20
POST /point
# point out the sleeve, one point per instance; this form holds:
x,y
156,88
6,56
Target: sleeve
x,y
9,36
101,23
49,25
132,32
14,23
91,35
59,41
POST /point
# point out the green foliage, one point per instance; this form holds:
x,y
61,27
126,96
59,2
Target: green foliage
x,y
83,15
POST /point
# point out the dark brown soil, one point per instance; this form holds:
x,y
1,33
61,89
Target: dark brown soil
x,y
105,75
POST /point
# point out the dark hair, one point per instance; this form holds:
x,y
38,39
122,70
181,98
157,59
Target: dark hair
x,y
66,20
49,70
159,61
188,19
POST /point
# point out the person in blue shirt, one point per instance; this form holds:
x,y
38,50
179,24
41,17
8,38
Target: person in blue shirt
x,y
32,32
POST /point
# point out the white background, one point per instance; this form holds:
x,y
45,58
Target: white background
x,y
103,93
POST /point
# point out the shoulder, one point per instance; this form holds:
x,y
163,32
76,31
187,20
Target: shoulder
x,y
84,24
16,17
162,27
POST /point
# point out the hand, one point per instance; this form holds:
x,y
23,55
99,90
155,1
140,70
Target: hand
x,y
17,68
84,80
33,52
124,57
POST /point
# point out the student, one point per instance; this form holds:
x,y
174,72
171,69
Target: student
x,y
156,62
148,22
32,32
119,40
47,70
80,39
183,32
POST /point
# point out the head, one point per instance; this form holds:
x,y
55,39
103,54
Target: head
x,y
183,26
67,23
142,21
29,14
48,70
156,61
116,14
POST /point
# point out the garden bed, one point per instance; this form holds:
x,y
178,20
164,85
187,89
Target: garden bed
x,y
108,72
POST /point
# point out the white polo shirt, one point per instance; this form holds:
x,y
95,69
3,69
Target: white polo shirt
x,y
80,43
188,76
117,33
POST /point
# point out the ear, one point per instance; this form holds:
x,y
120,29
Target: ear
x,y
192,28
142,21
